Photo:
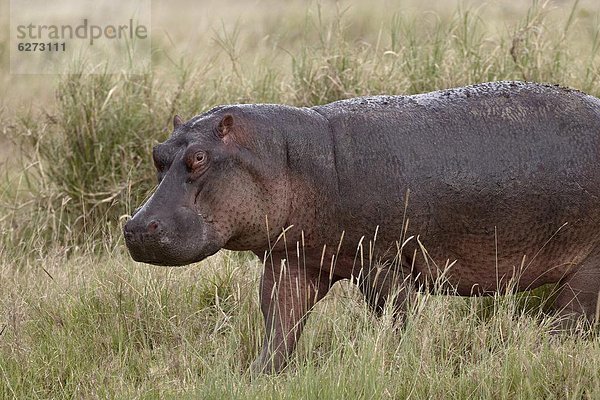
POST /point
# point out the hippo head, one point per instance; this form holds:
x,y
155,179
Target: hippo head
x,y
221,177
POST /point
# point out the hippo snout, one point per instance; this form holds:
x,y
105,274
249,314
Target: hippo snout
x,y
179,238
137,232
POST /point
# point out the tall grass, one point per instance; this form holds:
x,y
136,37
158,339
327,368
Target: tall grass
x,y
84,329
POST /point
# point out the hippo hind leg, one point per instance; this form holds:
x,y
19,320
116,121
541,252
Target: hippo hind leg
x,y
383,283
579,295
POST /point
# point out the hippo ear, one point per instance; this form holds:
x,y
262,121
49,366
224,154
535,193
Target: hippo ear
x,y
177,121
225,125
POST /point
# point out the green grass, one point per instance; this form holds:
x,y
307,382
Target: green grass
x,y
79,319
108,327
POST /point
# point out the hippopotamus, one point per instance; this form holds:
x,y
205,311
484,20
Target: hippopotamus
x,y
470,191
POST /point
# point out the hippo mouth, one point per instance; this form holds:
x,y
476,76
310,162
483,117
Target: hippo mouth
x,y
178,239
162,257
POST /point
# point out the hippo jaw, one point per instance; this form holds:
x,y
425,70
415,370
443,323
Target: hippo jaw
x,y
177,239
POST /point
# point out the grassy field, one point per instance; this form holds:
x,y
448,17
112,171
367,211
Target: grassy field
x,y
79,319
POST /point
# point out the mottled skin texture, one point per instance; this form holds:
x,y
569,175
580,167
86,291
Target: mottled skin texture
x,y
504,183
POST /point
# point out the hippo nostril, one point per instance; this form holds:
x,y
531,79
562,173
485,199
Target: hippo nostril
x,y
128,232
153,226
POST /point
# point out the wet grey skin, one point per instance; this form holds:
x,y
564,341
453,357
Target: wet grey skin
x,y
495,186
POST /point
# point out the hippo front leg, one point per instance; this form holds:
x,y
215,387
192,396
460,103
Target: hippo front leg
x,y
287,295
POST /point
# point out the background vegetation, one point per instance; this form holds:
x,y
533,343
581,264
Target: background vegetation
x,y
79,319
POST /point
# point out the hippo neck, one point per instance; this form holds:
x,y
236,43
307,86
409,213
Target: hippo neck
x,y
313,195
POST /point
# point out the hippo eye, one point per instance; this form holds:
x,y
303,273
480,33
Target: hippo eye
x,y
198,160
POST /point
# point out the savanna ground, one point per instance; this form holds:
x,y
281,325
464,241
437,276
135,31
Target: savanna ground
x,y
79,319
